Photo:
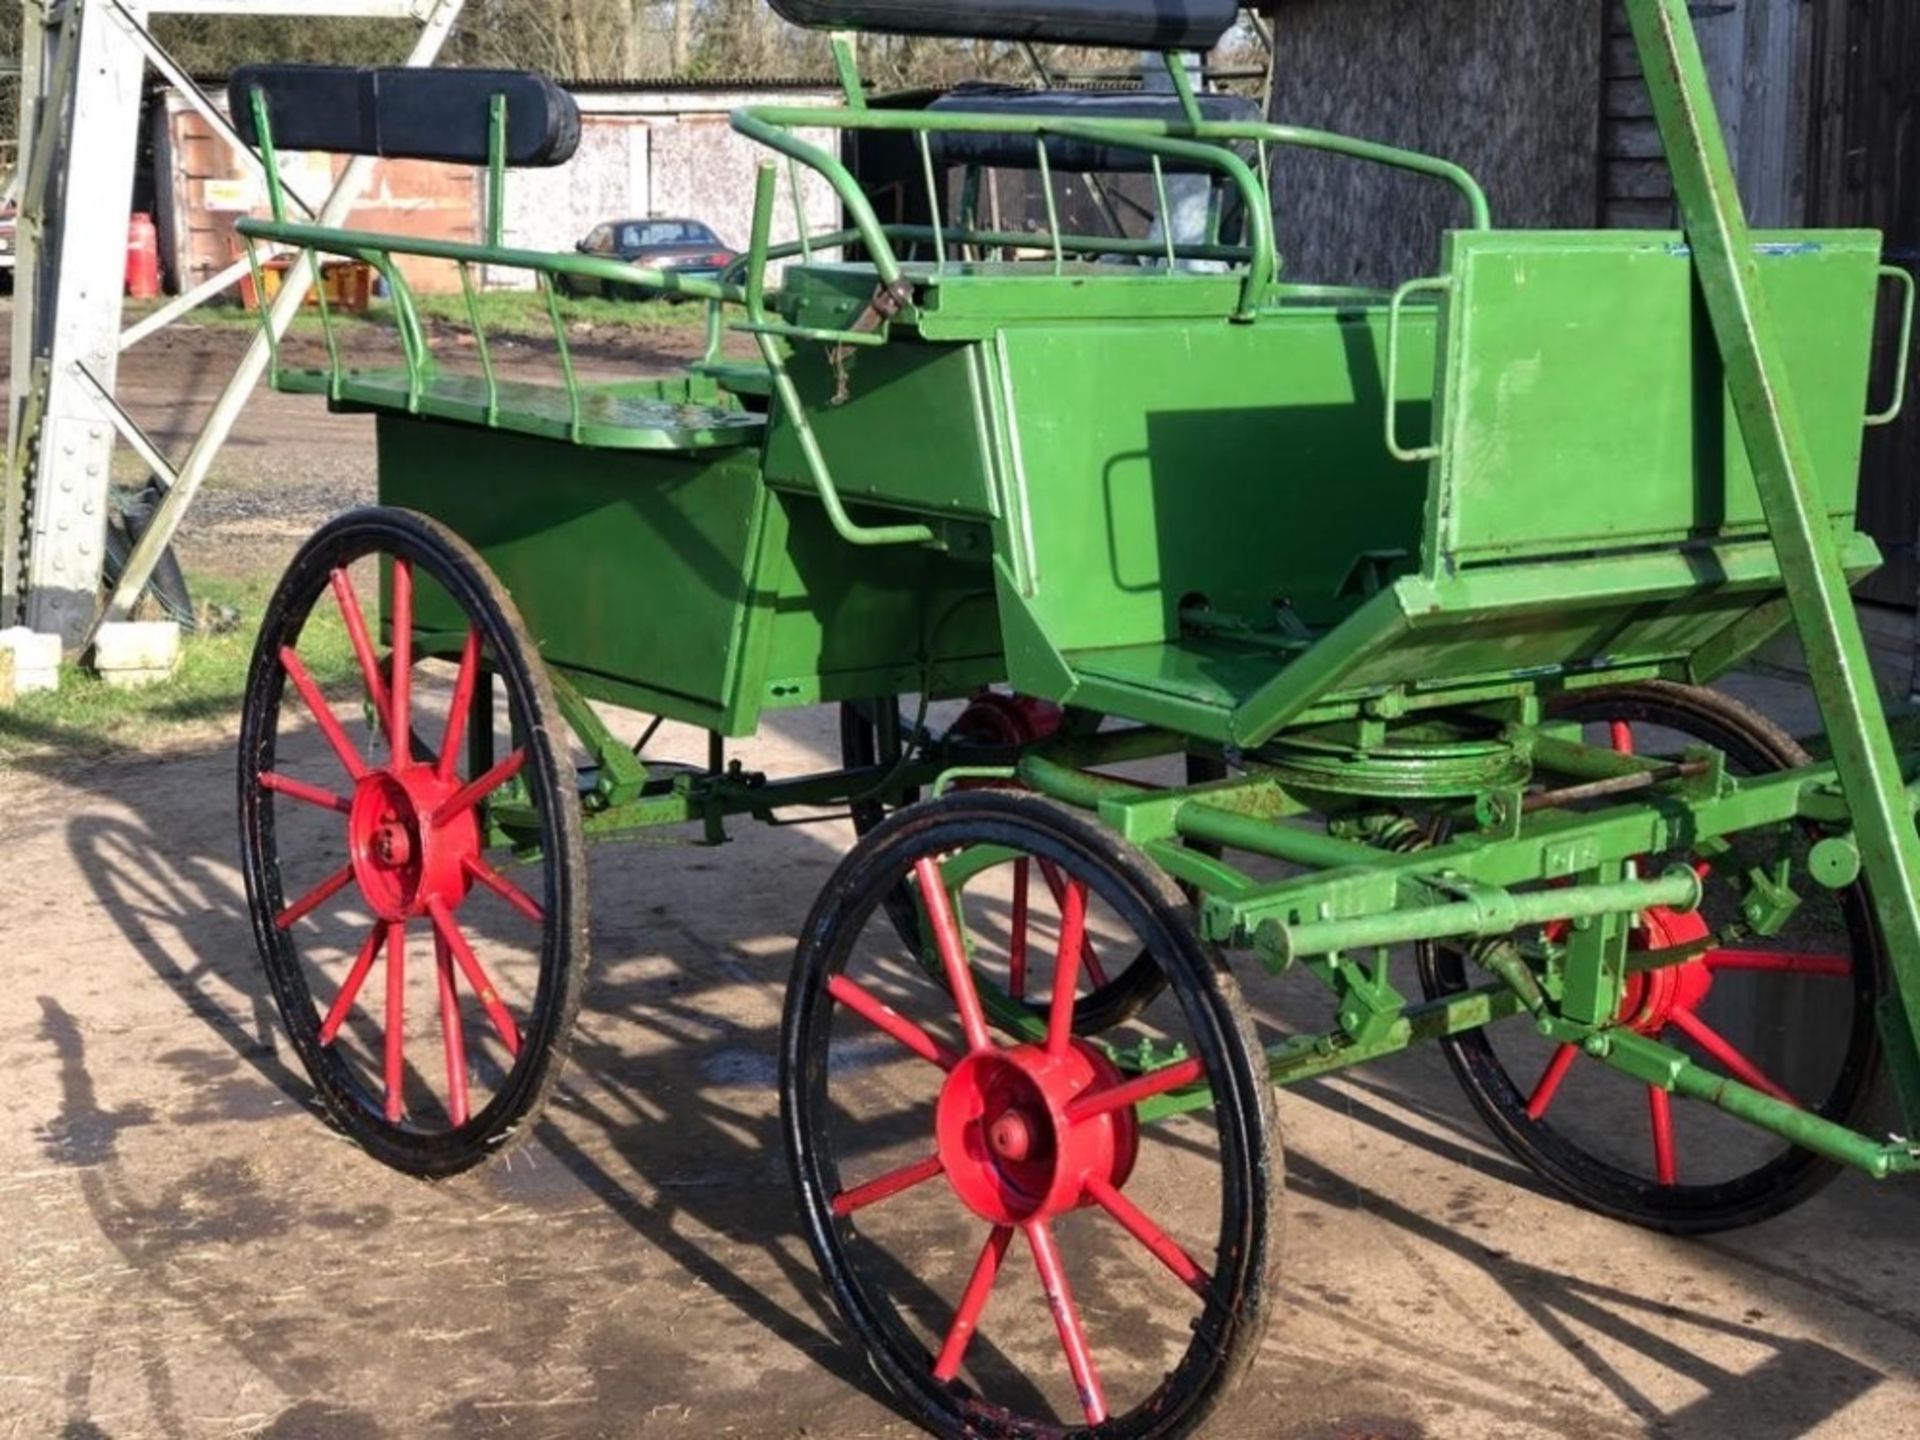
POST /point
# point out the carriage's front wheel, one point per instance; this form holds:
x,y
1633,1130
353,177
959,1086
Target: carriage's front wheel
x,y
415,871
1040,1235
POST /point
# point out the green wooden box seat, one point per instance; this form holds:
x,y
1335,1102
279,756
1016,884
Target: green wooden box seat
x,y
1583,519
1181,511
1151,510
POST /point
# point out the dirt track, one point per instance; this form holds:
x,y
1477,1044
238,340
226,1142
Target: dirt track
x,y
189,1252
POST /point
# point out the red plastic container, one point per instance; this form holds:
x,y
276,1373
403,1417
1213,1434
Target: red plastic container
x,y
143,257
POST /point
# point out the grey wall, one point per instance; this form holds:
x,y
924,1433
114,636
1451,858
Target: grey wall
x,y
1508,88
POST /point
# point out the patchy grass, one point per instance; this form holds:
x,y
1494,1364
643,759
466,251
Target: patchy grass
x,y
87,719
521,313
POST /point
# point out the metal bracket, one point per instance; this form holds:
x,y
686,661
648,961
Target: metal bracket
x,y
1438,285
1905,346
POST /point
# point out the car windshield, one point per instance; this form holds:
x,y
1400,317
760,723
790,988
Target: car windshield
x,y
641,236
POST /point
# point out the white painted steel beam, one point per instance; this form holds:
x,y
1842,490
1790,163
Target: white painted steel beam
x,y
83,212
293,291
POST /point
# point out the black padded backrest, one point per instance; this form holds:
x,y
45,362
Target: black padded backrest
x,y
1127,24
407,114
1002,150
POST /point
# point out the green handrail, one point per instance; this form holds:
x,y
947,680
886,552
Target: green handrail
x,y
369,246
1262,266
771,125
764,332
1904,280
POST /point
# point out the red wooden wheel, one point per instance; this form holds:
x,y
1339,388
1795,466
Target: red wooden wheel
x,y
1789,1013
378,852
931,1147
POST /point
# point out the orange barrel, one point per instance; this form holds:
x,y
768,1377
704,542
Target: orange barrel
x,y
143,257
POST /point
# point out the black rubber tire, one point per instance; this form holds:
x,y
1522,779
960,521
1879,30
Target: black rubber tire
x,y
548,772
1227,1334
1753,745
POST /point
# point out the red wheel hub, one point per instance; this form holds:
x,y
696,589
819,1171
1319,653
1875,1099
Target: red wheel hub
x,y
1652,996
1006,1139
995,719
402,856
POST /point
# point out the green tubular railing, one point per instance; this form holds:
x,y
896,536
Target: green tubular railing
x,y
372,247
1195,142
767,334
773,127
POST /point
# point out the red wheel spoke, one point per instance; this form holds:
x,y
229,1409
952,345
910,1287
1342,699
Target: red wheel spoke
x,y
1721,1049
1165,1249
1017,946
400,725
300,790
356,977
449,930
1620,736
1781,962
316,897
1131,1092
953,957
884,1017
1066,1319
887,1185
1088,955
462,702
1066,968
503,887
1549,1085
966,1319
396,1050
322,712
1660,1111
474,791
356,621
450,1033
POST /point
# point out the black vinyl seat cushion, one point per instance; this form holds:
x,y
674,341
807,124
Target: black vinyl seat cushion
x,y
405,113
1126,24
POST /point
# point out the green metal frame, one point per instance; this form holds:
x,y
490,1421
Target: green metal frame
x,y
1388,699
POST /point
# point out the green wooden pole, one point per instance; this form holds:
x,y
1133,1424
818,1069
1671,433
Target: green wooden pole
x,y
1770,425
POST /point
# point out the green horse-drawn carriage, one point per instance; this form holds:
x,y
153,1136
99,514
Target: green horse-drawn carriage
x,y
1420,588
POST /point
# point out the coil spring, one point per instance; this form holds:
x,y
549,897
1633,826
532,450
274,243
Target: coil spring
x,y
1396,832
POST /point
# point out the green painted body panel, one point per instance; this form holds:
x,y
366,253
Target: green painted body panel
x,y
971,300
900,424
1586,405
1150,464
680,584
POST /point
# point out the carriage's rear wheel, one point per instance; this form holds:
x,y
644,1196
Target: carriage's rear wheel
x,y
1791,1014
419,904
1021,1244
